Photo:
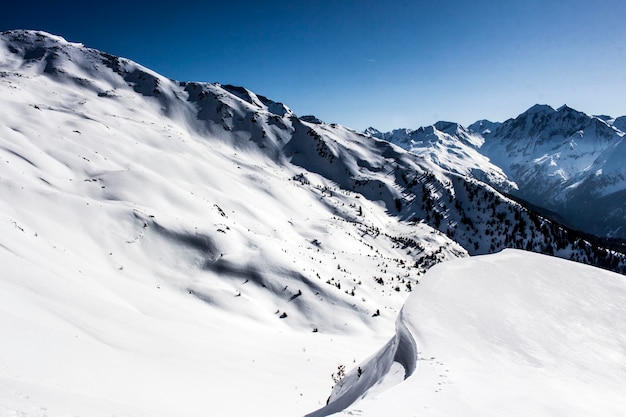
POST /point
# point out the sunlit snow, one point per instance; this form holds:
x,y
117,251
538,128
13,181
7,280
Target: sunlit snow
x,y
186,249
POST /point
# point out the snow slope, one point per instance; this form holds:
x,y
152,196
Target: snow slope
x,y
513,334
91,343
452,147
175,247
159,257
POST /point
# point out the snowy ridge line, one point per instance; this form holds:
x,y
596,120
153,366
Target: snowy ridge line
x,y
511,334
561,160
402,348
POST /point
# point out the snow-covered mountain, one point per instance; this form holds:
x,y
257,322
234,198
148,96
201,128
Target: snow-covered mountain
x,y
173,247
567,162
562,161
452,147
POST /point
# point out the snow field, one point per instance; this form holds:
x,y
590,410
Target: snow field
x,y
145,264
512,334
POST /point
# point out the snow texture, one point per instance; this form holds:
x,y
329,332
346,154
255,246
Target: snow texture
x,y
513,334
180,248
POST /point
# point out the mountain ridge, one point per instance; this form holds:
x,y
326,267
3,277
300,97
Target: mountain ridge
x,y
414,189
561,160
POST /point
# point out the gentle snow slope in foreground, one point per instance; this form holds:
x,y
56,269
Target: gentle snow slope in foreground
x,y
512,334
96,344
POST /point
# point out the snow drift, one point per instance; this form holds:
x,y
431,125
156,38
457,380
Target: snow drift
x,y
513,334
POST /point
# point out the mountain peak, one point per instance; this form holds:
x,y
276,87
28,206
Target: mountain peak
x,y
483,127
620,123
540,109
371,131
27,36
565,109
309,118
448,127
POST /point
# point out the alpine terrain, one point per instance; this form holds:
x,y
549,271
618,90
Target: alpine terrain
x,y
567,164
185,248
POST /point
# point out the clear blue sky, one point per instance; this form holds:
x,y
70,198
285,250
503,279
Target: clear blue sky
x,y
385,64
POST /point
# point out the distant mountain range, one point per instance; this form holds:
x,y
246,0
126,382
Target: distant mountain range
x,y
562,161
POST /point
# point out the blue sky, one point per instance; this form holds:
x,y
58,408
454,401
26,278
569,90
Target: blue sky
x,y
386,64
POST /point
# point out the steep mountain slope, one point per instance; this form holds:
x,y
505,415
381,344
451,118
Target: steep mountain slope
x,y
565,161
196,180
160,255
148,218
452,147
562,161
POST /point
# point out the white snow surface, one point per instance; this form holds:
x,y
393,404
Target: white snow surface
x,y
161,258
164,250
510,334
